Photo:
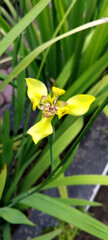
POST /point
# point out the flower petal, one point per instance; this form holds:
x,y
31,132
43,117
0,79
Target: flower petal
x,y
79,104
62,111
36,89
62,108
41,129
57,91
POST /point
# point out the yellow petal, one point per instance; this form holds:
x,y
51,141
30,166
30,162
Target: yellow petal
x,y
57,91
41,129
36,89
79,104
62,111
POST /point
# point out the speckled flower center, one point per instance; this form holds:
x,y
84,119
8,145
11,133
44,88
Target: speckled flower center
x,y
49,106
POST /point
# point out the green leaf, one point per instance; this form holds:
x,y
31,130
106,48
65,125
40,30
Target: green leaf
x,y
99,86
46,31
88,78
66,213
2,75
6,231
17,177
78,39
20,101
99,40
6,15
54,35
65,74
67,163
79,180
49,236
14,216
31,56
7,141
22,24
78,202
60,11
3,174
63,191
4,25
11,8
106,111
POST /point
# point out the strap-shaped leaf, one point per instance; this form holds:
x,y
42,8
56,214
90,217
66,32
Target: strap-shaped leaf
x,y
49,236
79,180
3,175
14,216
22,24
66,213
31,56
7,141
78,202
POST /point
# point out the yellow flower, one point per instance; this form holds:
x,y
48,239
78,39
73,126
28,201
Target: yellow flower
x,y
37,92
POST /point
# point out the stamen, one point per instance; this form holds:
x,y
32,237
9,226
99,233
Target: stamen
x,y
50,106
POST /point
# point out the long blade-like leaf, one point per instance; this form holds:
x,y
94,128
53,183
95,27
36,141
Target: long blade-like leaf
x,y
79,180
3,175
78,202
66,213
22,24
31,56
49,236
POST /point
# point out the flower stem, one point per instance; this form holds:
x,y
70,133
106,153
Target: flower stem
x,y
50,141
51,157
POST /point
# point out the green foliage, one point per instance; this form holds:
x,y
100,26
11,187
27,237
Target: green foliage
x,y
79,180
68,233
3,174
14,216
49,236
51,41
66,213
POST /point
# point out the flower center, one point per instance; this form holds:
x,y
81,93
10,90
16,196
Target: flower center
x,y
48,105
